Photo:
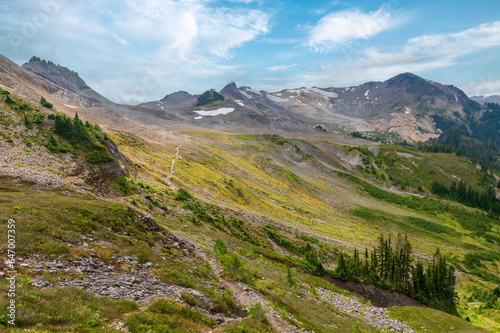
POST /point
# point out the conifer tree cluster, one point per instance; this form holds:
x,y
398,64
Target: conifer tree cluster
x,y
393,265
485,200
86,136
208,97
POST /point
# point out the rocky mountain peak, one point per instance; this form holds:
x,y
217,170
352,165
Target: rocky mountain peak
x,y
58,74
231,91
414,84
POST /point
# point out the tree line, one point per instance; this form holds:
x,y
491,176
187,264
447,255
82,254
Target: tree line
x,y
485,200
393,265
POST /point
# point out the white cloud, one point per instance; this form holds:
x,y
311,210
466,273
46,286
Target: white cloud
x,y
185,41
418,54
485,86
342,27
280,68
437,47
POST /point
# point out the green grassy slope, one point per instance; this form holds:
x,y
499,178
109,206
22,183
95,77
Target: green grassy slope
x,y
295,184
238,185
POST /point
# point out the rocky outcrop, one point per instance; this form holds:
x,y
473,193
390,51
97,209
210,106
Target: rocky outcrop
x,y
372,315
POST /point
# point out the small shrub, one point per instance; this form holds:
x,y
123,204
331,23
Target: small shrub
x,y
9,100
27,122
38,119
182,195
93,322
189,298
45,103
143,257
288,278
53,248
63,149
121,185
258,313
98,157
220,248
233,266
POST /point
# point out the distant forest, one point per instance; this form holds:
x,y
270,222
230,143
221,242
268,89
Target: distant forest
x,y
480,140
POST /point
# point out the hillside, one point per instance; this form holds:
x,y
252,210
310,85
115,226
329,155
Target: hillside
x,y
173,226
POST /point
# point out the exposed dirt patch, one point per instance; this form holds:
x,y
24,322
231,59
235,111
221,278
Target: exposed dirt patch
x,y
378,296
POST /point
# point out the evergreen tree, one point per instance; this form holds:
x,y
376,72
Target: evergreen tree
x,y
289,280
9,100
342,269
27,122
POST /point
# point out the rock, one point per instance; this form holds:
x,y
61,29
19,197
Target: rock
x,y
150,224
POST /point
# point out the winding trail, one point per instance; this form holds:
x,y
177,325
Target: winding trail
x,y
242,293
171,173
177,157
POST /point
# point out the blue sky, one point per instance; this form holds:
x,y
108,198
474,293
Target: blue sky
x,y
135,51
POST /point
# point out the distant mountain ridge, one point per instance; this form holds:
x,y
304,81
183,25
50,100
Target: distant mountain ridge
x,y
486,99
404,106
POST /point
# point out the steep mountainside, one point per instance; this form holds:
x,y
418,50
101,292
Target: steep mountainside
x,y
225,231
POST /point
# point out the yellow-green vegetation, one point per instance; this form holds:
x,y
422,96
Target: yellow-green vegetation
x,y
168,316
70,308
296,183
432,321
117,224
279,210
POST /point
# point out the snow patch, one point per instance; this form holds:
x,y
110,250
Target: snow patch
x,y
198,117
456,98
326,94
240,103
70,106
366,93
162,107
215,112
276,99
252,91
244,93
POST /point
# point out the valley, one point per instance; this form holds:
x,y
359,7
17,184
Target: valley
x,y
145,219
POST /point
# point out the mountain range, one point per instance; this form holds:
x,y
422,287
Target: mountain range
x,y
355,209
402,107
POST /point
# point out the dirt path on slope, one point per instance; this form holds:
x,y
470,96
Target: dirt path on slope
x,y
172,168
241,292
177,157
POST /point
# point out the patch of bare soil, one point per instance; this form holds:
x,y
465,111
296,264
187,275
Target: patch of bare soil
x,y
378,296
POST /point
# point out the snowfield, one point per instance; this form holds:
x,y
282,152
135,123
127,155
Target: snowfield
x,y
327,94
215,112
276,99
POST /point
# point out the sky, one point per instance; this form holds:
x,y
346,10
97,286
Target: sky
x,y
135,51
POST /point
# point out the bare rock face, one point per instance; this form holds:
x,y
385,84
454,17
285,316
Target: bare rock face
x,y
65,78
